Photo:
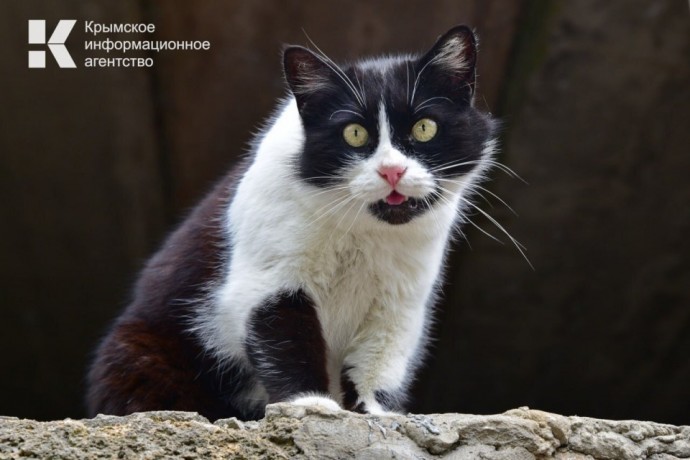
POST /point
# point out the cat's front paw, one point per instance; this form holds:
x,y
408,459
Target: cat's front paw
x,y
323,402
372,407
379,411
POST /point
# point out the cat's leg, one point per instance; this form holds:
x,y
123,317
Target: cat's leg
x,y
285,345
382,358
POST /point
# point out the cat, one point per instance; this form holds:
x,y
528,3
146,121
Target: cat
x,y
308,275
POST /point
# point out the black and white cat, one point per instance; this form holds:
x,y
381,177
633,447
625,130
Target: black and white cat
x,y
309,274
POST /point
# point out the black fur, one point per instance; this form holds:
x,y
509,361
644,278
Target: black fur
x,y
388,400
286,347
351,400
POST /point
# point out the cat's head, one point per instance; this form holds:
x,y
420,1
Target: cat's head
x,y
397,136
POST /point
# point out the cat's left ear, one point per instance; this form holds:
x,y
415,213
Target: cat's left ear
x,y
451,63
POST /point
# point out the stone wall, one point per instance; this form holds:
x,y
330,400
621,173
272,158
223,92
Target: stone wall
x,y
294,432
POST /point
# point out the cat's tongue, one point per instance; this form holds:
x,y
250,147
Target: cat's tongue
x,y
395,198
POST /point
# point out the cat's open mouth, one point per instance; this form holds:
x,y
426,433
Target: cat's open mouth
x,y
395,198
397,208
401,202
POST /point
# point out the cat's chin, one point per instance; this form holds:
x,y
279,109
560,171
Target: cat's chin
x,y
398,212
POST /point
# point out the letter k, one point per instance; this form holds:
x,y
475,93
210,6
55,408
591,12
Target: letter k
x,y
56,43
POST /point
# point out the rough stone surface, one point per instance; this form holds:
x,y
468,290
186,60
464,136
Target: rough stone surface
x,y
311,432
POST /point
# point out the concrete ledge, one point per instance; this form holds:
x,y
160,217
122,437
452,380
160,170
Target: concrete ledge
x,y
310,432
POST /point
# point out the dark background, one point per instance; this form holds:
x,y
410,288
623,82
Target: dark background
x,y
97,165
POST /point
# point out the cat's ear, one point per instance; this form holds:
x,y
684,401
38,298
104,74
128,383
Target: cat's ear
x,y
306,73
451,63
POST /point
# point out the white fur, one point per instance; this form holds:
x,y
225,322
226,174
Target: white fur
x,y
452,54
371,281
316,400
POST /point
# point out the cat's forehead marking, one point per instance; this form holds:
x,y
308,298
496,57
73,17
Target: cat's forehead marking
x,y
384,126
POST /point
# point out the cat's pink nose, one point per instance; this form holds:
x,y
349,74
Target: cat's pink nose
x,y
392,174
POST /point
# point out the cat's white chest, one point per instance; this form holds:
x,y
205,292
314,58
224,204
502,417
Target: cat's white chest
x,y
358,279
341,275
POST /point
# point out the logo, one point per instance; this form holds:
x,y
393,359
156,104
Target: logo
x,y
56,43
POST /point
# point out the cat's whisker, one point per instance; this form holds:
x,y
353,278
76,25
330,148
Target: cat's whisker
x,y
351,105
437,223
347,111
330,189
473,187
337,70
442,197
353,221
352,202
515,242
347,211
450,165
321,219
328,207
316,191
343,77
419,75
480,195
335,208
477,186
424,104
505,169
488,161
407,85
472,223
359,84
434,98
328,176
457,226
463,235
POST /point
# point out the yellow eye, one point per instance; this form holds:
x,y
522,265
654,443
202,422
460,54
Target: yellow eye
x,y
355,135
424,130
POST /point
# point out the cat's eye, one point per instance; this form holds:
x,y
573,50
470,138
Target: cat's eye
x,y
424,130
355,135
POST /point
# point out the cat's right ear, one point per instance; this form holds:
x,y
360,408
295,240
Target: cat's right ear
x,y
306,73
451,63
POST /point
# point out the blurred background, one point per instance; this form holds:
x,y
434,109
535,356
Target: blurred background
x,y
98,165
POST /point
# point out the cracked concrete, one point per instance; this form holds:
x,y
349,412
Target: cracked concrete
x,y
290,431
